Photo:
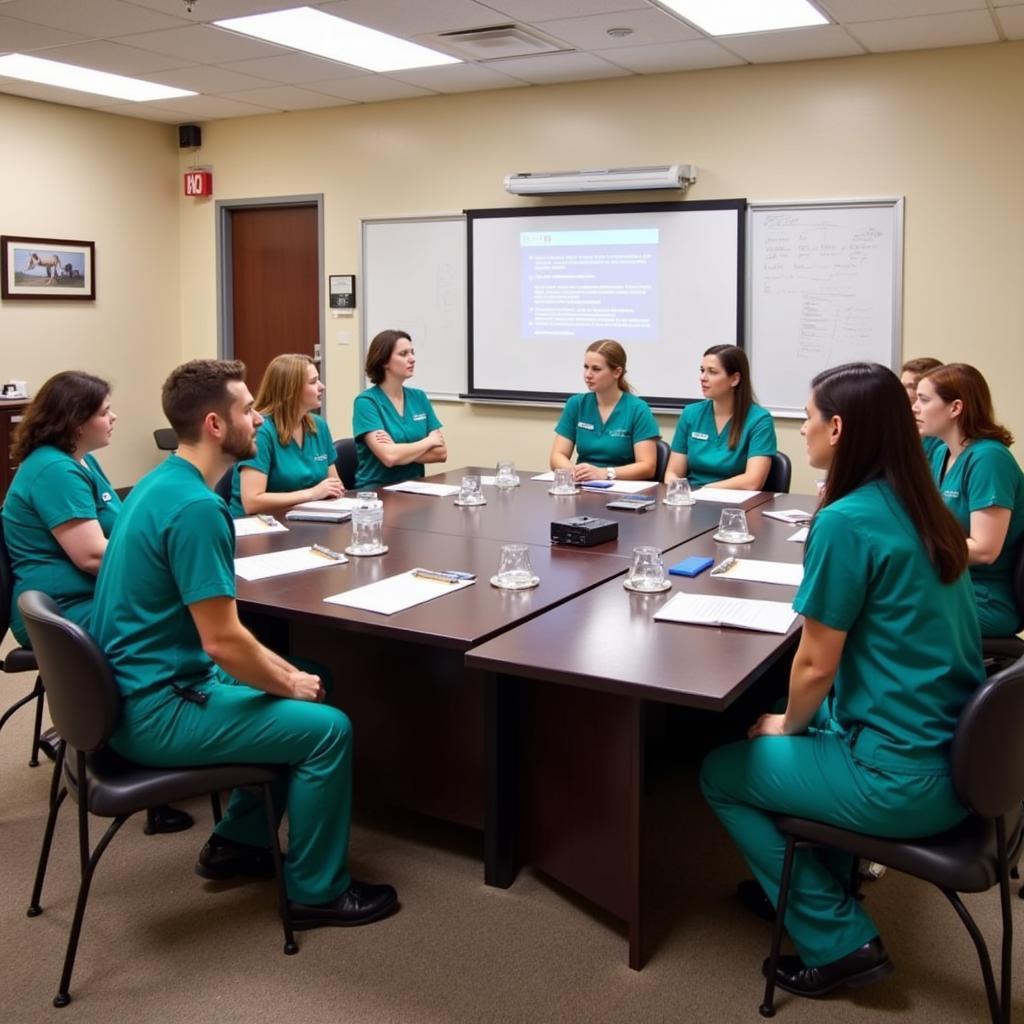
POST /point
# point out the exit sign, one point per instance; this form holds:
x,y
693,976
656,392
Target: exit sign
x,y
199,183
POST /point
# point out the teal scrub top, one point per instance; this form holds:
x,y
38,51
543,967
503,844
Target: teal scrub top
x,y
288,467
708,455
373,410
986,475
912,655
49,489
607,443
174,546
931,444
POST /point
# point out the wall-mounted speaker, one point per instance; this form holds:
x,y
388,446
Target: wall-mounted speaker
x,y
190,136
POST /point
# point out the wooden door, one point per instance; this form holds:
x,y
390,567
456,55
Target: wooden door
x,y
275,285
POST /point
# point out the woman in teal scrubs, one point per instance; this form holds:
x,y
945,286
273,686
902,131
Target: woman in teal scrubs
x,y
612,430
910,373
980,481
889,654
61,508
726,440
395,427
294,458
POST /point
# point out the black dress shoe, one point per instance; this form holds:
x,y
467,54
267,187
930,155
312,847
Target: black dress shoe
x,y
222,858
48,742
753,897
360,903
165,818
863,966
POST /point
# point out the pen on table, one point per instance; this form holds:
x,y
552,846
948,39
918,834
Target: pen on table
x,y
433,574
724,566
265,519
320,549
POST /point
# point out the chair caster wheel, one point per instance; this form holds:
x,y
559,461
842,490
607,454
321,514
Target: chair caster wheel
x,y
291,948
33,911
766,1011
61,1000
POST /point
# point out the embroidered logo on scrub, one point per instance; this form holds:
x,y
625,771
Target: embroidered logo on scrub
x,y
419,416
951,494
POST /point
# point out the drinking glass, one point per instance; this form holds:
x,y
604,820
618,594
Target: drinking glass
x,y
367,521
732,527
678,493
469,490
515,571
648,569
366,497
505,474
564,482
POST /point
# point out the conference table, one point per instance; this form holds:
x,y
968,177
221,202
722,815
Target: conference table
x,y
437,732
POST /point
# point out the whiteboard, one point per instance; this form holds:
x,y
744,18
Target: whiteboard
x,y
824,287
414,280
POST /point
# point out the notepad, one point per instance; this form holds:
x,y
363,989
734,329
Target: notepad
x,y
330,505
396,593
753,570
793,516
800,536
417,487
732,612
281,563
623,486
724,495
250,526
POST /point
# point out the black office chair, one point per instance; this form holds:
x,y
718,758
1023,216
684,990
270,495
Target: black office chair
x,y
779,475
1000,651
664,451
21,659
345,461
223,485
987,759
85,704
166,439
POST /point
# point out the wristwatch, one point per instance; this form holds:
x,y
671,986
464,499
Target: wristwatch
x,y
610,472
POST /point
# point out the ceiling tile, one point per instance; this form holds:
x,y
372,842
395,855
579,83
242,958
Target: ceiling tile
x,y
294,68
457,78
146,112
113,57
405,18
286,97
369,88
1012,20
797,44
207,79
197,107
559,67
204,44
648,25
541,10
879,10
687,56
920,33
21,36
97,18
215,10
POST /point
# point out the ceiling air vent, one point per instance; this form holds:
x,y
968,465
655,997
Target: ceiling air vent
x,y
498,41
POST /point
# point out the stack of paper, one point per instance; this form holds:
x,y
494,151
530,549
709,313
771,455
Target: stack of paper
x,y
396,593
330,505
418,487
793,516
737,613
280,563
724,495
754,571
623,486
250,526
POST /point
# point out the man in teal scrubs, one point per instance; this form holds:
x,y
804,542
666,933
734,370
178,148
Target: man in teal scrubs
x,y
287,467
372,411
197,687
708,455
606,443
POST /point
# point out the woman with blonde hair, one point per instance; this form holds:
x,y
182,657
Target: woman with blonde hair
x,y
294,458
612,430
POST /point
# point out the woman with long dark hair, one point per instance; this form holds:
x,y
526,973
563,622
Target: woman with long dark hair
x,y
889,654
727,440
980,481
61,507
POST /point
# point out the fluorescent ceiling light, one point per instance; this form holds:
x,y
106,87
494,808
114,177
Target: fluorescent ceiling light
x,y
311,31
70,76
732,17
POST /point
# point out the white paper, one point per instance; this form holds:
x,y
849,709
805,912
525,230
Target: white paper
x,y
251,526
487,481
734,612
793,516
754,571
548,476
623,486
331,505
724,495
280,563
800,536
416,487
396,593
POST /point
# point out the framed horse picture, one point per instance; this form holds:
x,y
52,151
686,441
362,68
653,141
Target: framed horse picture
x,y
47,268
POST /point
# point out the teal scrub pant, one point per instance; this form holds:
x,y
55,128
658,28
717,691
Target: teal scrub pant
x,y
241,724
816,775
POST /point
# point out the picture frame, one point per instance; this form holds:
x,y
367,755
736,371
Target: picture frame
x,y
47,268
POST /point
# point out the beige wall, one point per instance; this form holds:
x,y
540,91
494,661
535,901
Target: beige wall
x,y
81,175
939,127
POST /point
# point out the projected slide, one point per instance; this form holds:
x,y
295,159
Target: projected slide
x,y
582,285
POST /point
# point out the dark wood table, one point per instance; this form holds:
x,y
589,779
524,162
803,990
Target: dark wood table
x,y
574,689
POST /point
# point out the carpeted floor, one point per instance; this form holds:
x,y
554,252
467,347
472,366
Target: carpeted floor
x,y
161,945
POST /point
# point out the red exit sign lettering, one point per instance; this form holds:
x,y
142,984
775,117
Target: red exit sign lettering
x,y
199,183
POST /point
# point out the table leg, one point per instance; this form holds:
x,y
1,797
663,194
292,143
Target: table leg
x,y
501,855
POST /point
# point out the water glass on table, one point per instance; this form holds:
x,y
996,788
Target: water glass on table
x,y
505,474
564,482
515,571
678,493
367,529
732,527
648,570
469,491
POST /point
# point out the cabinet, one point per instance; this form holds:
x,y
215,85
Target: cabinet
x,y
11,411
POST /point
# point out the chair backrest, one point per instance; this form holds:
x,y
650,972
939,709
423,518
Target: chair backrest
x,y
780,474
345,461
6,583
223,485
166,439
81,691
1018,583
664,451
988,753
